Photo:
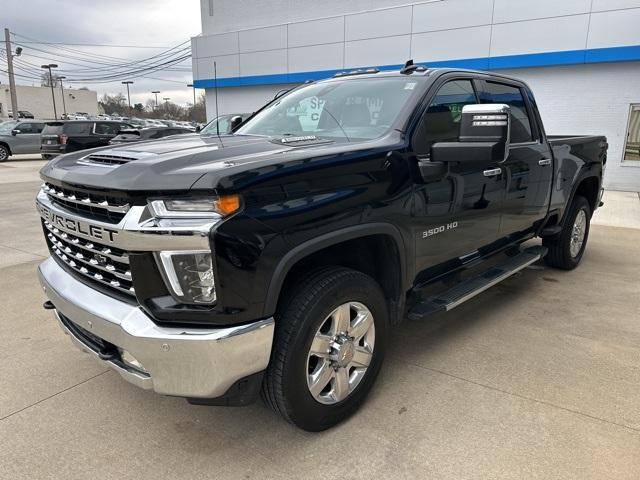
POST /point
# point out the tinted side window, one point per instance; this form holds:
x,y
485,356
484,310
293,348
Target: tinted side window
x,y
77,128
25,128
37,127
441,122
512,96
107,128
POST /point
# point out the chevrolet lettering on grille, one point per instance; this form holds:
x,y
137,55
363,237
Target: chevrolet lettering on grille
x,y
86,229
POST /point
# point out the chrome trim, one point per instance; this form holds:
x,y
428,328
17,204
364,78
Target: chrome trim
x,y
137,231
185,362
71,262
91,262
87,201
486,108
88,246
492,172
494,281
544,162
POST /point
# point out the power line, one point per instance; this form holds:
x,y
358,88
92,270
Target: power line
x,y
109,45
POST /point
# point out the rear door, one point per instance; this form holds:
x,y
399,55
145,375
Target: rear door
x,y
459,212
528,168
79,136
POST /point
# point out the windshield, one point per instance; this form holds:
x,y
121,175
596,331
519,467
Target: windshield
x,y
6,127
212,129
353,109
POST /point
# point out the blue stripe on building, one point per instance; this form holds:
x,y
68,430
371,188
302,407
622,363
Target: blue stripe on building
x,y
546,59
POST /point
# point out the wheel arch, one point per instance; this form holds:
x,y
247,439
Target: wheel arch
x,y
588,186
389,270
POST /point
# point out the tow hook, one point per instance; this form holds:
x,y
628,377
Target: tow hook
x,y
48,305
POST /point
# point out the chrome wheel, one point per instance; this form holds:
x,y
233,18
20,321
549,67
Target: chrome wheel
x,y
4,154
340,353
577,233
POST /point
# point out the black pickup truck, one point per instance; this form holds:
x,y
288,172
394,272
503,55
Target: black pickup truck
x,y
278,259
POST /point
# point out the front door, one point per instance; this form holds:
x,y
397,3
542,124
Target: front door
x,y
459,213
528,168
28,139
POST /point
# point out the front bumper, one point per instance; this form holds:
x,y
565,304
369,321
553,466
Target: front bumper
x,y
194,363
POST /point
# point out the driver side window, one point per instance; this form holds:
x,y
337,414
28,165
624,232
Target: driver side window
x,y
441,121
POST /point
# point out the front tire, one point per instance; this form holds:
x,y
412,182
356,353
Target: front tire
x,y
566,248
4,153
330,340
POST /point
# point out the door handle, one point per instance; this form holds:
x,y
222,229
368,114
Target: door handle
x,y
544,162
492,172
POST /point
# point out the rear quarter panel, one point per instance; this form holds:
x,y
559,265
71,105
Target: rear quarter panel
x,y
576,158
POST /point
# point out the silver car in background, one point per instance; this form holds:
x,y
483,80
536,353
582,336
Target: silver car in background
x,y
20,137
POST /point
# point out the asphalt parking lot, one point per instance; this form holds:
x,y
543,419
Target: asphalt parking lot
x,y
539,377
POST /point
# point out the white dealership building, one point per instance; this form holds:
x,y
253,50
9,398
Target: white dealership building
x,y
581,57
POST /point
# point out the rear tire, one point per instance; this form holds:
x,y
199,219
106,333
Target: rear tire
x,y
47,156
330,340
4,153
566,248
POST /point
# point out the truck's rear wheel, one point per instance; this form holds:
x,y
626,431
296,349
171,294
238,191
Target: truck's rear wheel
x,y
331,334
566,248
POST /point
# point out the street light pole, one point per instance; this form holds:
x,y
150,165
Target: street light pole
x,y
127,83
64,106
156,92
193,111
53,97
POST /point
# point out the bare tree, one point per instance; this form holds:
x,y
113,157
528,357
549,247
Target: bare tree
x,y
45,81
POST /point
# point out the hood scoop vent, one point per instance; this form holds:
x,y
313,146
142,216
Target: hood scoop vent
x,y
113,158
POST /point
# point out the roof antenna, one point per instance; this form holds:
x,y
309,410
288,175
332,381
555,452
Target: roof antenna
x,y
410,67
215,91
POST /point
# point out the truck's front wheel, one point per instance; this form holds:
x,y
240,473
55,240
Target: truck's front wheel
x,y
331,334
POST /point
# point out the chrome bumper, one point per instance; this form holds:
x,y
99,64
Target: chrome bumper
x,y
195,363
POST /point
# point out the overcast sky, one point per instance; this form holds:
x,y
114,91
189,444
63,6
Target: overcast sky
x,y
145,23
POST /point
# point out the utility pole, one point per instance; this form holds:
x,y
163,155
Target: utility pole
x,y
193,112
127,83
156,92
53,97
64,106
12,80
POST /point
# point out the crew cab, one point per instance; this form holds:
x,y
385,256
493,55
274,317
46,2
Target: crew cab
x,y
277,259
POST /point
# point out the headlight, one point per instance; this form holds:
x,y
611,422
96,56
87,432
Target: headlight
x,y
190,275
195,208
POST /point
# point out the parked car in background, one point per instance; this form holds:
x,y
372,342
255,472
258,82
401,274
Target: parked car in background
x,y
21,114
141,134
20,137
63,137
224,122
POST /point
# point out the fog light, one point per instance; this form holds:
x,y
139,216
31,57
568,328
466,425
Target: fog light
x,y
190,275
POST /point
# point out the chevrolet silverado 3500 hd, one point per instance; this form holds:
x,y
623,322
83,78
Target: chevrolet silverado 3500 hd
x,y
279,258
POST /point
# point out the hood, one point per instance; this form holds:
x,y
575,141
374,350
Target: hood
x,y
173,163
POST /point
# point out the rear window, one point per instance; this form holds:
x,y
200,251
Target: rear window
x,y
52,129
104,128
512,96
80,128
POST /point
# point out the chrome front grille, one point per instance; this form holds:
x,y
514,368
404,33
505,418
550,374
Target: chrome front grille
x,y
102,207
100,263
